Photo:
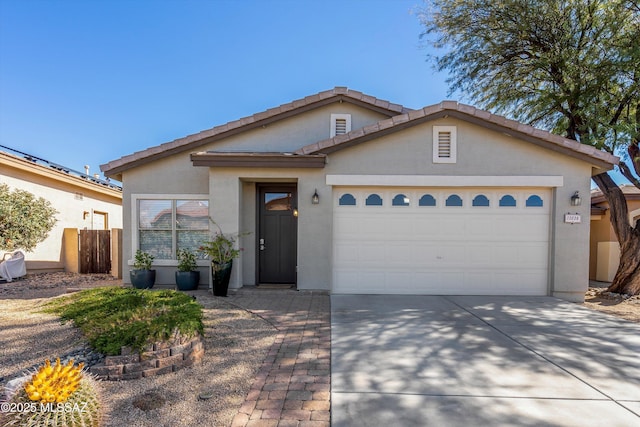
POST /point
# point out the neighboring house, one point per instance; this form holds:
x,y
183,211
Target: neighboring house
x,y
82,202
604,248
345,192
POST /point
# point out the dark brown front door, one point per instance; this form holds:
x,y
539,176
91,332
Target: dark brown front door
x,y
277,234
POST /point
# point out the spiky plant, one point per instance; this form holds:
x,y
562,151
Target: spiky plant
x,y
54,383
57,396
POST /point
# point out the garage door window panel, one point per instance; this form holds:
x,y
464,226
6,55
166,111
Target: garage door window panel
x,y
347,200
427,200
400,200
507,201
480,200
374,200
534,201
454,200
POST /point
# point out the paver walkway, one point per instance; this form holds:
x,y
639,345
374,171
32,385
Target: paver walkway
x,y
292,387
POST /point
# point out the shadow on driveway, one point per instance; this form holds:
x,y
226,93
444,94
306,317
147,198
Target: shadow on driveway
x,y
460,361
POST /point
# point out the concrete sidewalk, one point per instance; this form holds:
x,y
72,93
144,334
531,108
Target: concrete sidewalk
x,y
493,361
292,387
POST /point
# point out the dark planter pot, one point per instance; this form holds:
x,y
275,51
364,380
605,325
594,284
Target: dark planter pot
x,y
187,280
143,279
221,274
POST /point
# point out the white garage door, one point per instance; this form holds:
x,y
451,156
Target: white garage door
x,y
441,241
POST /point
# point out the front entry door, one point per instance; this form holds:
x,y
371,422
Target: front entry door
x,y
277,234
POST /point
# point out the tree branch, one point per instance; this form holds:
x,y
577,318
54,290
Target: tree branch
x,y
617,205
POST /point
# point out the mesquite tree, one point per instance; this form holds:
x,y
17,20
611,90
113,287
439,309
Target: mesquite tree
x,y
25,220
570,66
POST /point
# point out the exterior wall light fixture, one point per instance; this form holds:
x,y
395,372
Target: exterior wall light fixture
x,y
315,199
576,200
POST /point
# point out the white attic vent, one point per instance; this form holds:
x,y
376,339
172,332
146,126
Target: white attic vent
x,y
444,144
340,124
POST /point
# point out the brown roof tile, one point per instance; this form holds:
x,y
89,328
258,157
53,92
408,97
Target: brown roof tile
x,y
385,124
416,114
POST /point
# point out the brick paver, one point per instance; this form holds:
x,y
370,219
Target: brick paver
x,y
292,387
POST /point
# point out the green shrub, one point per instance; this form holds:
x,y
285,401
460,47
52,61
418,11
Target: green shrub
x,y
186,260
25,220
142,260
113,317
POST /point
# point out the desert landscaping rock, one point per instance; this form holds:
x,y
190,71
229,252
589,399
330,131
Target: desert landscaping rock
x,y
212,393
624,306
149,400
234,352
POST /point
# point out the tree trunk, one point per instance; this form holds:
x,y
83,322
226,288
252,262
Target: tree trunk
x,y
627,278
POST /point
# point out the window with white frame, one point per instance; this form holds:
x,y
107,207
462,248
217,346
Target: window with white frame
x,y
340,124
444,144
166,225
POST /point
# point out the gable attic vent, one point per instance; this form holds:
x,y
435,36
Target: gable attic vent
x,y
340,124
444,144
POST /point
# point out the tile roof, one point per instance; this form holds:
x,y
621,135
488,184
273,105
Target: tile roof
x,y
190,142
399,118
470,114
630,191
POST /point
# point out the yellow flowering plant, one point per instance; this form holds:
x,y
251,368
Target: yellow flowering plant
x,y
54,383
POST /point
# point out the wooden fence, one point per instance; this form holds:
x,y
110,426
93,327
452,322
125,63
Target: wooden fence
x,y
95,251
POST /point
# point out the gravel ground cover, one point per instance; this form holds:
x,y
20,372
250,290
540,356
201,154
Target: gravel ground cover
x,y
208,394
624,306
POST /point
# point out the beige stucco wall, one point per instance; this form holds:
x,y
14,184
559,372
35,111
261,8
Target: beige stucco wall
x,y
292,133
73,211
231,191
603,246
168,177
175,175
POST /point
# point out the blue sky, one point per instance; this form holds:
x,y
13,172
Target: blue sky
x,y
86,82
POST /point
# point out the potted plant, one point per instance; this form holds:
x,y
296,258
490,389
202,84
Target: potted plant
x,y
187,276
221,250
142,276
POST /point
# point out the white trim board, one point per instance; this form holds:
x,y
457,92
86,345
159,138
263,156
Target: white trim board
x,y
446,181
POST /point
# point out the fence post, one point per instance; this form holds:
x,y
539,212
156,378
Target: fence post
x,y
70,250
116,252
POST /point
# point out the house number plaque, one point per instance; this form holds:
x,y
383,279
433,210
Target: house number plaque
x,y
572,218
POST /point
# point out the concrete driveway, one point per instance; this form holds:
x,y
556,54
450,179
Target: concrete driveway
x,y
480,361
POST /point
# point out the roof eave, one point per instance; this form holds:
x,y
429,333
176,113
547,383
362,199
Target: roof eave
x,y
258,160
85,183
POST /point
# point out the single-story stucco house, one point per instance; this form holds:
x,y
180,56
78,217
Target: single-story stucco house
x,y
344,192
